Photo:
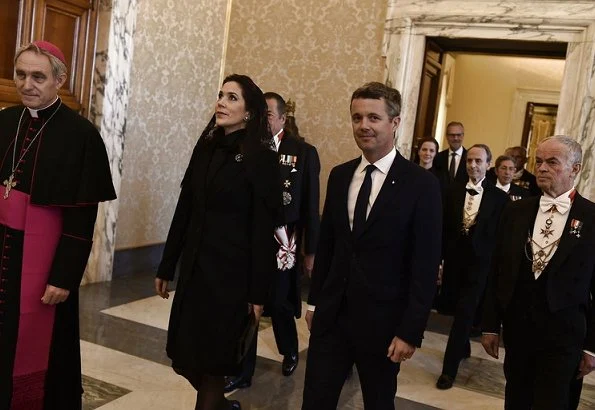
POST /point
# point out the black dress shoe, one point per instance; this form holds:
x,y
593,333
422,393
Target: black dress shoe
x,y
233,383
444,382
290,363
235,405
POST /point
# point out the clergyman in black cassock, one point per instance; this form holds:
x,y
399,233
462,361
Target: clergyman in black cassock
x,y
55,171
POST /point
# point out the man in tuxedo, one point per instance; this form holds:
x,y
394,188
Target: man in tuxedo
x,y
505,169
542,284
298,227
471,214
376,264
450,163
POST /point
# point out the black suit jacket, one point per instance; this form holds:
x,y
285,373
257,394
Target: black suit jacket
x,y
303,187
571,271
440,165
459,260
517,191
484,233
386,277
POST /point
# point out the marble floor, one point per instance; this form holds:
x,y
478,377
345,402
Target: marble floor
x,y
123,334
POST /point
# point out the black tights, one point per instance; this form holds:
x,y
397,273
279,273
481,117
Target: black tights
x,y
209,389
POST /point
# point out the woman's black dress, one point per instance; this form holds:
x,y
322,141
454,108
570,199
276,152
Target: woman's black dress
x,y
222,235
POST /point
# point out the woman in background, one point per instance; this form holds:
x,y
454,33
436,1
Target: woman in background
x,y
221,234
428,148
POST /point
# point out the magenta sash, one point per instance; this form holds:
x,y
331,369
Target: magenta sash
x,y
42,228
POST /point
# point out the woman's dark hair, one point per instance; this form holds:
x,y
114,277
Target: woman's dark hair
x,y
258,132
421,143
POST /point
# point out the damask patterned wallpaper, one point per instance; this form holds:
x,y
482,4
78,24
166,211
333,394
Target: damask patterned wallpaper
x,y
178,50
316,53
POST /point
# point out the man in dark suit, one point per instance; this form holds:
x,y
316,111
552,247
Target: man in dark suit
x,y
298,228
542,284
505,169
471,214
450,163
376,264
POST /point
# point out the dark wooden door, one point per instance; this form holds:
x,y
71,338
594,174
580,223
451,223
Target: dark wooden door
x,y
71,25
429,93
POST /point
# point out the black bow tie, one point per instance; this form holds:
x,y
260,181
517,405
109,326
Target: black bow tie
x,y
472,191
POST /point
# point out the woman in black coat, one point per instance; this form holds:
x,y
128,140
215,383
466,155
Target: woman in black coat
x,y
221,235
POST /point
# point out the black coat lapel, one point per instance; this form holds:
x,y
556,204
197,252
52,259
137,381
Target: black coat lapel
x,y
568,240
487,201
396,176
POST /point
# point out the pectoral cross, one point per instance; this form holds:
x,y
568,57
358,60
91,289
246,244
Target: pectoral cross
x,y
9,184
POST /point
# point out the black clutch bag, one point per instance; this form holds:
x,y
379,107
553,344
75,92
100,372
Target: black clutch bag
x,y
249,332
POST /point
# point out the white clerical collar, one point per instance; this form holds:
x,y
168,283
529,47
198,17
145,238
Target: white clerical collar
x,y
459,152
383,164
34,111
505,188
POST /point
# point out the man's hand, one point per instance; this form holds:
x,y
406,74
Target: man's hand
x,y
309,316
399,350
586,366
161,287
308,264
491,343
54,295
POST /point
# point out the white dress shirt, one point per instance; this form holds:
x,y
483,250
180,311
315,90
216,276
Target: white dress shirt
x,y
277,139
378,176
472,202
540,241
505,188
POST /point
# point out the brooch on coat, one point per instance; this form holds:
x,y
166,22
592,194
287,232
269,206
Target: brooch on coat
x,y
239,158
575,227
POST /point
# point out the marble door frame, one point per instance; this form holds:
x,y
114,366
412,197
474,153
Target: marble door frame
x,y
409,22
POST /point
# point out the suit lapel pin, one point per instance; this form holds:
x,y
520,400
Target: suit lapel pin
x,y
392,182
239,158
287,183
575,227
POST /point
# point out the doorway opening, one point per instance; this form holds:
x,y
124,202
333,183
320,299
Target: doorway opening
x,y
488,84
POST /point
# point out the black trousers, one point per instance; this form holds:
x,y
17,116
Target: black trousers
x,y
541,361
471,286
330,358
282,314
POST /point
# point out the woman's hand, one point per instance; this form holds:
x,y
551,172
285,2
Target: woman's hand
x,y
161,287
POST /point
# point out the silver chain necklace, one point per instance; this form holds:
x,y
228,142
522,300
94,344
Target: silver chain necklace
x,y
10,182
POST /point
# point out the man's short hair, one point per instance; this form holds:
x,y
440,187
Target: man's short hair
x,y
517,148
281,105
483,147
575,152
58,67
377,91
456,124
503,158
